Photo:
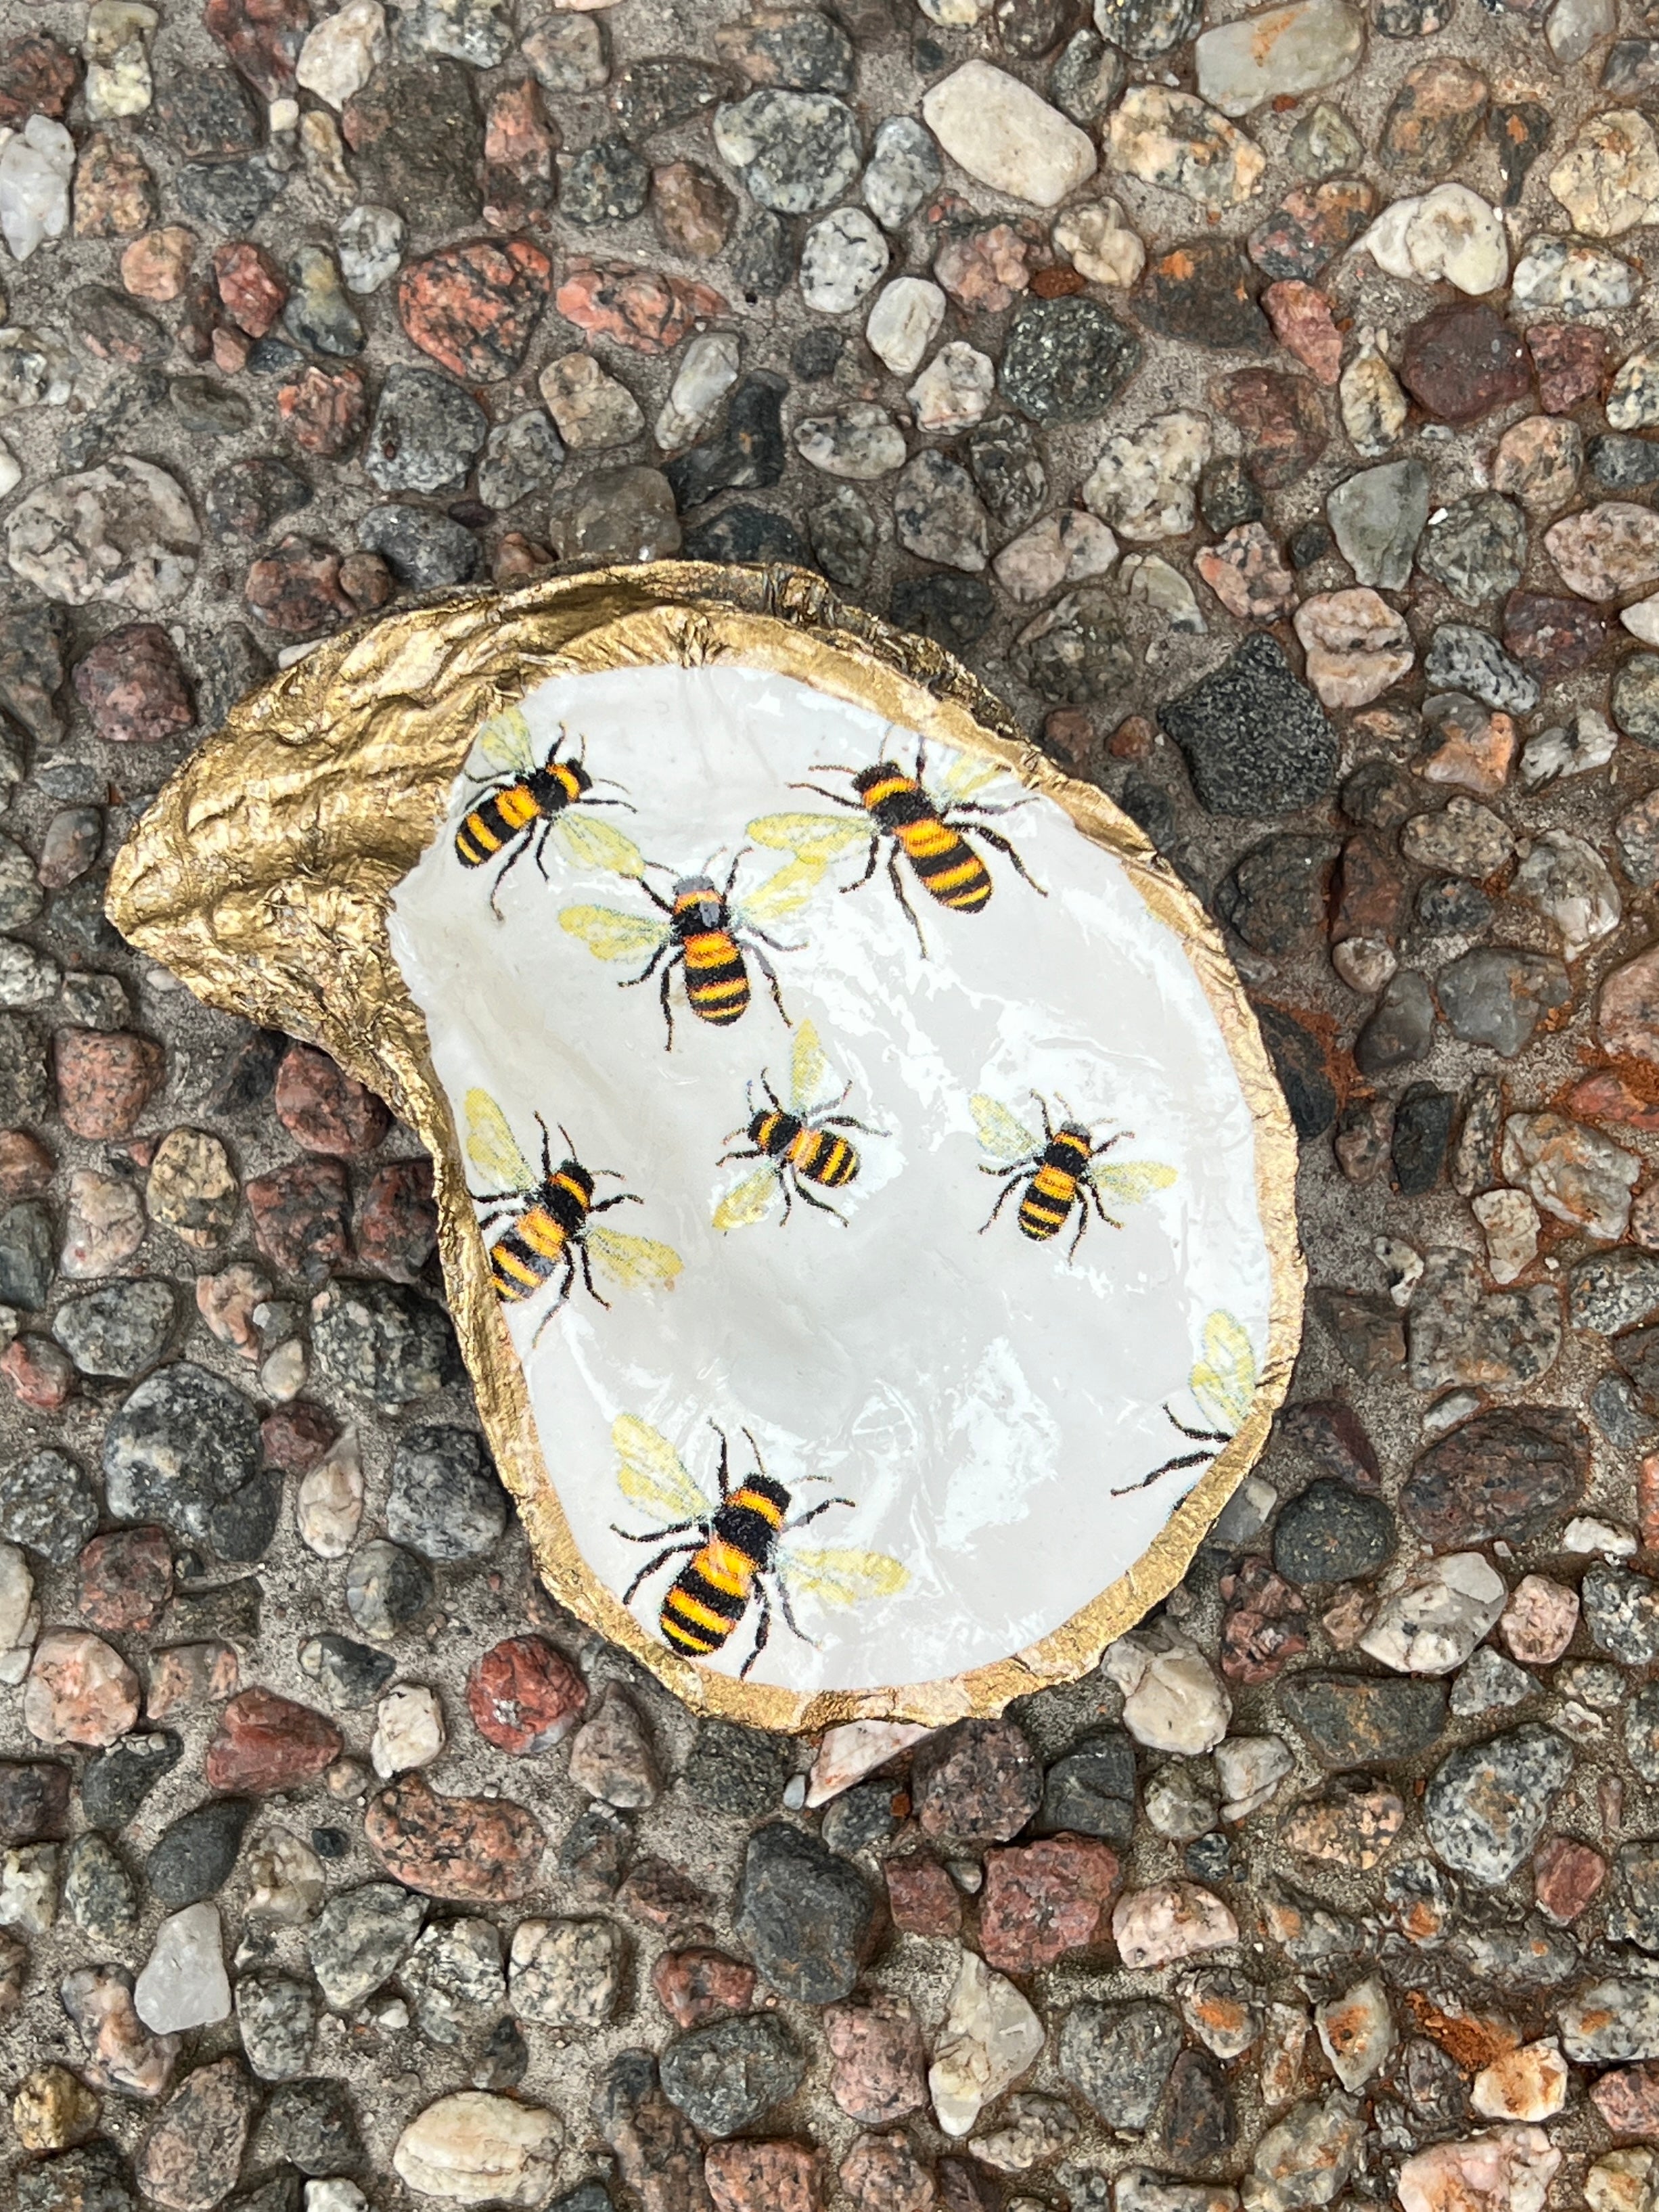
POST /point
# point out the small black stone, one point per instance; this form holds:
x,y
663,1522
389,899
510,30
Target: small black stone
x,y
1331,1534
115,1783
249,497
860,1820
805,1915
1090,1789
816,353
748,455
1256,739
598,1848
736,1769
1619,462
1311,543
762,256
331,1844
447,1500
608,183
206,113
748,536
725,2076
352,1674
28,1255
193,1856
1447,906
1300,1062
1067,360
1422,1132
228,195
421,548
955,611
1226,495
1520,130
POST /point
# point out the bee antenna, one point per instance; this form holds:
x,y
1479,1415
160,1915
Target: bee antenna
x,y
569,1141
756,1449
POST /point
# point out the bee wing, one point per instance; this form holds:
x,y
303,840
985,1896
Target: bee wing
x,y
1002,1136
504,741
651,1476
1223,1379
784,893
967,775
840,1577
610,934
749,1202
808,1068
591,843
491,1145
1132,1182
631,1263
810,836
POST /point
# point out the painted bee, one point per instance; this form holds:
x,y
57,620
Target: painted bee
x,y
1066,1170
1222,1383
930,828
795,1142
550,1219
527,802
736,1550
704,931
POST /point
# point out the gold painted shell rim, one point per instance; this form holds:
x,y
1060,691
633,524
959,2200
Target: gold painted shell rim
x,y
262,874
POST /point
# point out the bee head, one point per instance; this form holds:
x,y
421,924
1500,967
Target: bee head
x,y
758,1124
698,895
574,773
574,1171
867,779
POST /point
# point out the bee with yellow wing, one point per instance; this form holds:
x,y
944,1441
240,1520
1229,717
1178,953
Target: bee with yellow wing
x,y
798,1144
1064,1169
930,824
1223,1385
736,1548
702,929
527,801
550,1228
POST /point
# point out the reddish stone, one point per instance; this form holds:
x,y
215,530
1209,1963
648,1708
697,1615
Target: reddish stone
x,y
34,1794
157,265
1247,573
1566,1876
764,2176
114,192
1204,290
1058,283
1264,1625
985,270
252,287
1133,738
198,321
198,2138
697,1984
1647,1501
1570,359
473,308
1327,1431
1433,115
976,1782
124,1579
25,1165
396,1232
881,2061
367,581
1303,325
882,2173
300,1218
132,686
186,1676
263,38
520,143
647,313
1069,731
1627,2098
965,2187
1461,360
1282,422
1042,1899
922,1898
294,1438
1553,635
264,1742
42,1374
1351,1823
324,1108
230,350
693,211
517,557
296,590
1310,227
79,1690
483,1851
104,1080
37,78
323,410
1609,1097
1371,897
664,1897
525,1696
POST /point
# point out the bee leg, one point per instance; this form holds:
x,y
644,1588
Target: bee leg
x,y
897,882
1192,1459
762,1629
819,1204
513,859
836,798
541,836
621,1198
847,1121
771,975
1012,1183
813,1512
1197,1436
724,1469
1081,1224
1111,1219
995,837
588,1280
650,968
749,1152
869,867
653,1535
627,804
784,1182
673,1552
787,1610
1041,1106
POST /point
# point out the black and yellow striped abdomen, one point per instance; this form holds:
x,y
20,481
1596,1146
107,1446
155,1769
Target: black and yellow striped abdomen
x,y
946,865
823,1157
494,823
710,1594
523,1257
716,980
1053,1190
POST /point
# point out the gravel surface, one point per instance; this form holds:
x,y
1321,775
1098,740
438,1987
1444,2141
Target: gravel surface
x,y
1270,418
